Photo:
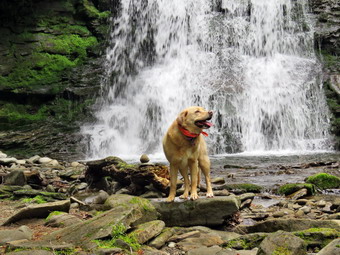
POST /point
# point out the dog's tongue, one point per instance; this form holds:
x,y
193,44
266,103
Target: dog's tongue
x,y
207,123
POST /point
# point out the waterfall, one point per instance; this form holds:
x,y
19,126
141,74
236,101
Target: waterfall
x,y
250,61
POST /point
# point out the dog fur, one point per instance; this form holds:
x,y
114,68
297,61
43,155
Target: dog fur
x,y
185,153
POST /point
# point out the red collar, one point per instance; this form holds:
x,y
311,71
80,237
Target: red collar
x,y
187,133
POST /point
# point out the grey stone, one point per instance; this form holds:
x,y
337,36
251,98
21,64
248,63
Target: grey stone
x,y
44,160
16,177
146,231
16,234
126,210
333,248
282,243
34,159
29,252
38,211
289,224
162,238
62,220
144,158
7,161
202,212
51,244
205,250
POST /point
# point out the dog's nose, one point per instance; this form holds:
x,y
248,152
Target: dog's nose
x,y
210,113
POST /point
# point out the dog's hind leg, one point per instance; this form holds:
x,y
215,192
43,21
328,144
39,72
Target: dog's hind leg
x,y
173,183
204,164
193,165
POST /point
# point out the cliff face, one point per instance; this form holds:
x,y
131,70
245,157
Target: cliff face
x,y
51,54
327,43
50,68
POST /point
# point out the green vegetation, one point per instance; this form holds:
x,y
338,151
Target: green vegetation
x,y
290,188
144,203
244,187
119,233
324,181
37,199
318,236
53,214
247,242
282,251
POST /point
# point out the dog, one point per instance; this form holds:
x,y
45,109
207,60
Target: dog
x,y
185,149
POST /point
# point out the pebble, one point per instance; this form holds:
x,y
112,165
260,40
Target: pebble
x,y
34,159
321,203
306,209
144,158
172,245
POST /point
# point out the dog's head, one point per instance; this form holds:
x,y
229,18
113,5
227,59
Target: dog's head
x,y
195,118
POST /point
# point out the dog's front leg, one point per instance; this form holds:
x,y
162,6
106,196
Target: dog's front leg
x,y
184,173
173,183
193,165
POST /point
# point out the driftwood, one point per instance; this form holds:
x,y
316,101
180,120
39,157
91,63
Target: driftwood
x,y
138,175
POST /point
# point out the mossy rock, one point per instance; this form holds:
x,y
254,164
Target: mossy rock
x,y
318,237
290,188
243,188
246,242
324,181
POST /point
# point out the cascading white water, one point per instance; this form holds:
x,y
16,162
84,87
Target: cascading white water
x,y
250,61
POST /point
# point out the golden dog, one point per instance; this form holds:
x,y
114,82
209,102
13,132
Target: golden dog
x,y
185,148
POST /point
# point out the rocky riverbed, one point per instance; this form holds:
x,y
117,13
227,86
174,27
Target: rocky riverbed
x,y
109,206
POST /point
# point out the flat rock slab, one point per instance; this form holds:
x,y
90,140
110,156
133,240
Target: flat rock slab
x,y
15,234
38,211
288,225
200,212
52,245
128,211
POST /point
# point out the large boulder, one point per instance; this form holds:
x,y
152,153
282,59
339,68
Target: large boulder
x,y
282,243
202,212
127,211
15,234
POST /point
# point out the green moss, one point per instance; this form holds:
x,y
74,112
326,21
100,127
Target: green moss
x,y
246,242
324,181
144,203
318,236
92,12
290,188
282,251
21,113
119,232
53,214
37,70
244,187
37,199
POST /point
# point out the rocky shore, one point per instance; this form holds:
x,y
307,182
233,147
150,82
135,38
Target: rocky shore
x,y
108,206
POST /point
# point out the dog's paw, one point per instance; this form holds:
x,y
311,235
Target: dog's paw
x,y
209,195
193,196
170,199
184,196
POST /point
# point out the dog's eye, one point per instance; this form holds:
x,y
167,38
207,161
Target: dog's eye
x,y
198,111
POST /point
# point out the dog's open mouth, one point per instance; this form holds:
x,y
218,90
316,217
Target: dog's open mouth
x,y
203,123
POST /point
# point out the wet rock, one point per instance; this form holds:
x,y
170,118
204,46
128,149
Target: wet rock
x,y
239,188
282,243
16,177
298,194
3,155
333,248
202,212
290,188
202,240
22,232
146,231
38,211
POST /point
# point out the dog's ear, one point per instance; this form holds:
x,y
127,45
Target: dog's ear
x,y
181,117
